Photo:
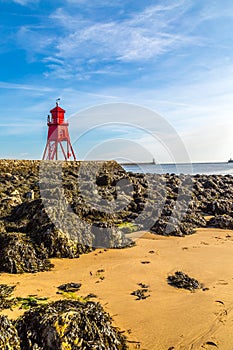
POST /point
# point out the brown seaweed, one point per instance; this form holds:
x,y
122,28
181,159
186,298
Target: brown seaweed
x,y
182,280
69,324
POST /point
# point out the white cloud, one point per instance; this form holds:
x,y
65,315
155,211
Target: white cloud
x,y
6,85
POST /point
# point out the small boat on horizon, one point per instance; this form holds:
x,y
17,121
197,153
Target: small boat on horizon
x,y
230,160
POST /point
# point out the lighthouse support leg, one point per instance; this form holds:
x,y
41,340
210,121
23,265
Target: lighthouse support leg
x,y
44,154
53,150
71,148
63,151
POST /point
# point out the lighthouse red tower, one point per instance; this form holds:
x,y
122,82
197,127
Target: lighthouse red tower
x,y
58,135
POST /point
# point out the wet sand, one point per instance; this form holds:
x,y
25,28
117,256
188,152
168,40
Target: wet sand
x,y
169,318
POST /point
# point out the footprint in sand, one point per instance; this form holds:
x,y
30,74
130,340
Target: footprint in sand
x,y
209,345
222,282
222,315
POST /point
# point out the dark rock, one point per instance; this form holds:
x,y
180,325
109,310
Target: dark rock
x,y
91,295
69,287
102,180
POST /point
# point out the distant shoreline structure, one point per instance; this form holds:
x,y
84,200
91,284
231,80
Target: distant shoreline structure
x,y
139,163
148,163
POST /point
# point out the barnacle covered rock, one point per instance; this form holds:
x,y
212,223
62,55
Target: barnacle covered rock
x,y
69,325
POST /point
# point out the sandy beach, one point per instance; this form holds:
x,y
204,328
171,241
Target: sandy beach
x,y
169,318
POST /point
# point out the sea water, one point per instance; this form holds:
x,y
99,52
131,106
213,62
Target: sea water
x,y
185,168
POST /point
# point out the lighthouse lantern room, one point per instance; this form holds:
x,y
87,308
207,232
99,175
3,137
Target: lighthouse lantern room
x,y
58,136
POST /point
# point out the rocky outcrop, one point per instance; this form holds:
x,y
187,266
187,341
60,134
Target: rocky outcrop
x,y
64,209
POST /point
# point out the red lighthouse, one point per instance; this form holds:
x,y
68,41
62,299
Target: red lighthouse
x,y
58,135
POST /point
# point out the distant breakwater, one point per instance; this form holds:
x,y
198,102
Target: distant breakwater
x,y
138,163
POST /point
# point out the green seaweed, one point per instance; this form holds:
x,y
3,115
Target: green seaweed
x,y
30,301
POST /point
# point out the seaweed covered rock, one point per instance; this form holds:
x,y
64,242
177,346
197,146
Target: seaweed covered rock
x,y
217,207
182,280
58,244
9,339
196,219
71,240
172,227
222,221
67,324
18,255
6,299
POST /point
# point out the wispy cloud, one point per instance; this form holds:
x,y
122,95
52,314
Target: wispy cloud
x,y
35,41
142,36
82,44
6,85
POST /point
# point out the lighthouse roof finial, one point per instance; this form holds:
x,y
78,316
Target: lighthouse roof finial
x,y
57,101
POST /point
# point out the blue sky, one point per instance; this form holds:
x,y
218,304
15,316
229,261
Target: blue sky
x,y
173,57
